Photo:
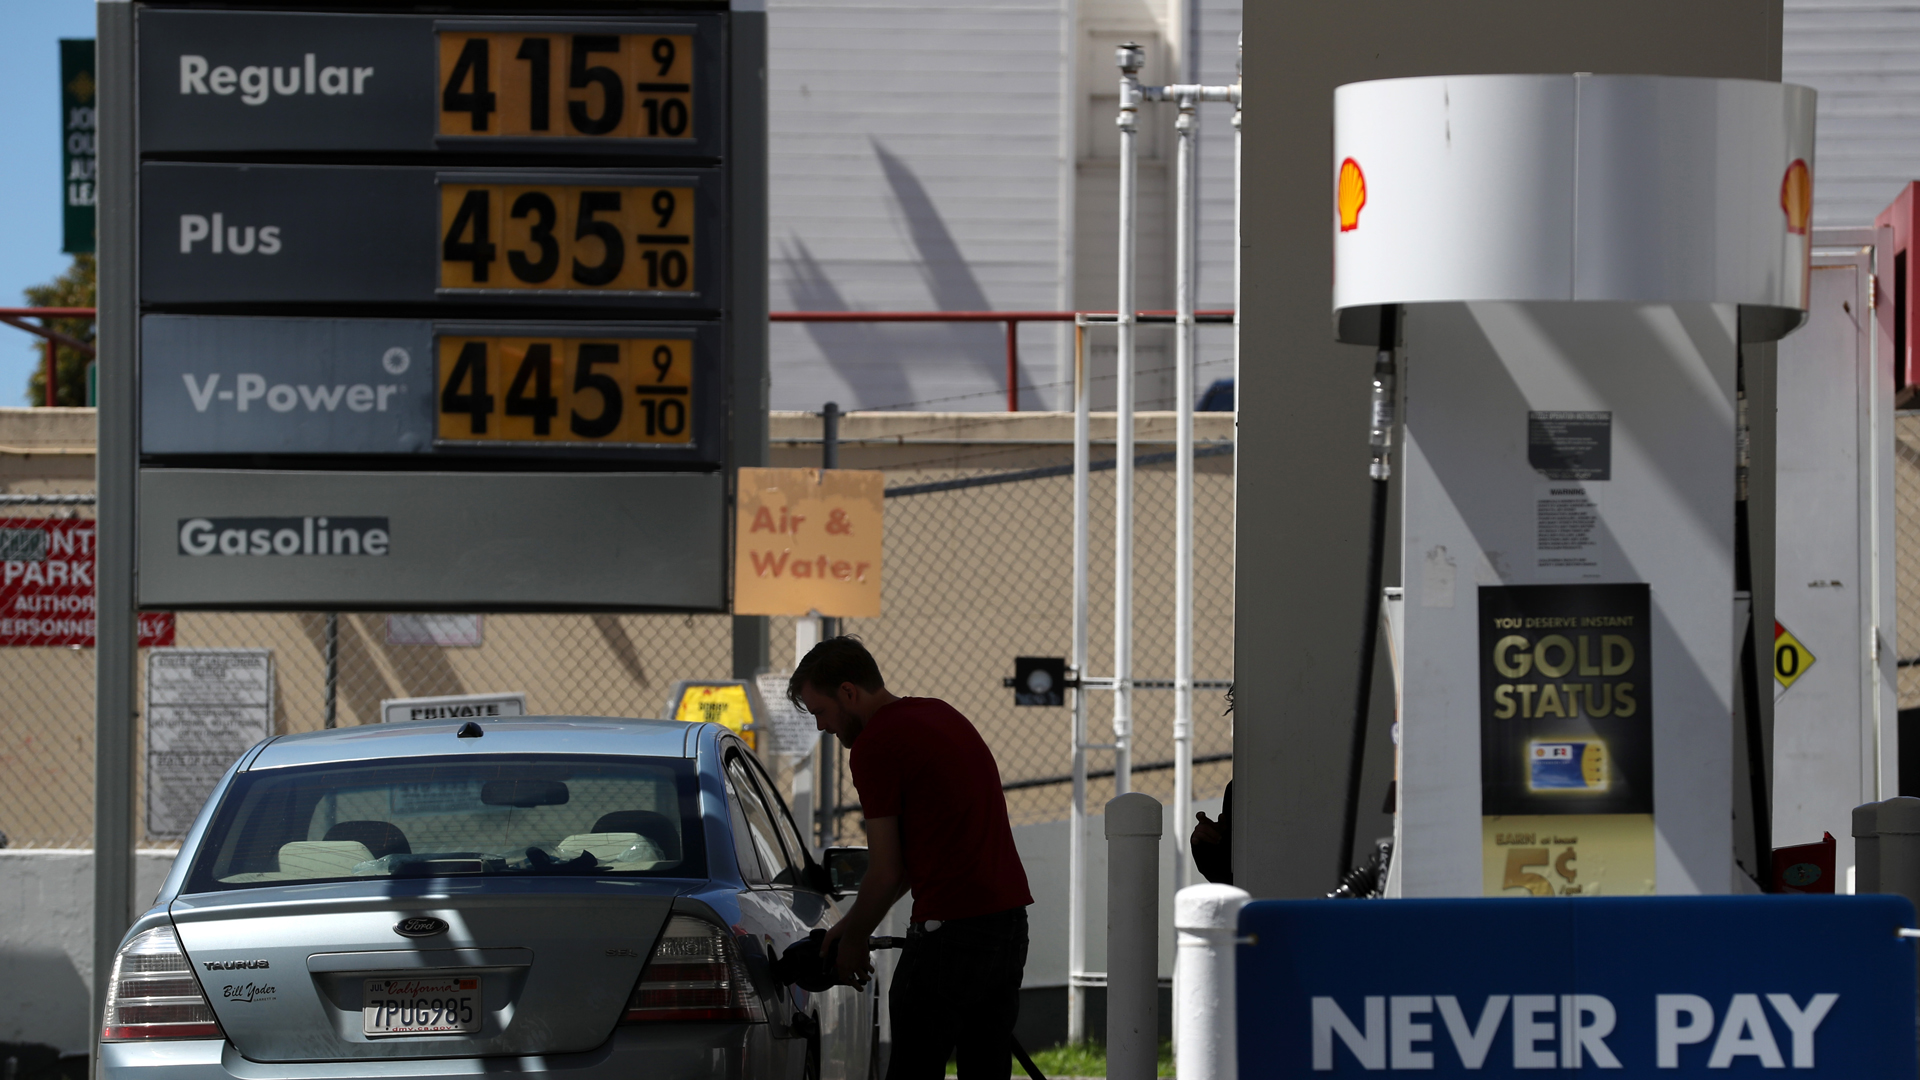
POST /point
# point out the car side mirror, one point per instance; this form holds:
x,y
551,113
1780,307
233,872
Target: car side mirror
x,y
846,868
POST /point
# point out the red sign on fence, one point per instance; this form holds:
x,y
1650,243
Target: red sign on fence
x,y
46,585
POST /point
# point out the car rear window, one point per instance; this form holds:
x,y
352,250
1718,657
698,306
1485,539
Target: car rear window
x,y
438,817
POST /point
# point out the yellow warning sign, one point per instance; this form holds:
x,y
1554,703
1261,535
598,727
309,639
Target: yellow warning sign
x,y
724,703
1790,658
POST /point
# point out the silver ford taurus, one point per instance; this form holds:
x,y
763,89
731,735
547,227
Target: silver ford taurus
x,y
600,898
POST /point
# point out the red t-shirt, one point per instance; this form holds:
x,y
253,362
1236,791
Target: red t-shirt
x,y
920,761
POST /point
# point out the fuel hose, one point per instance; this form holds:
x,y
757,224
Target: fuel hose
x,y
1380,446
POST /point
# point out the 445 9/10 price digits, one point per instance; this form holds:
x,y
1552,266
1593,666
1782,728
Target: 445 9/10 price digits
x,y
566,390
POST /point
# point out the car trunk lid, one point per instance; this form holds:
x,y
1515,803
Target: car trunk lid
x,y
551,962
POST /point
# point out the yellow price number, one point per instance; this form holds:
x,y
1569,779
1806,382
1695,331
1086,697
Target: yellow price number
x,y
520,85
566,390
617,239
1520,875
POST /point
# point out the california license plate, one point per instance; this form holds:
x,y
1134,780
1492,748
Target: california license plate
x,y
421,1006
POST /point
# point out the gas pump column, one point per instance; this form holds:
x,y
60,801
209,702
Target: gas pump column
x,y
1576,261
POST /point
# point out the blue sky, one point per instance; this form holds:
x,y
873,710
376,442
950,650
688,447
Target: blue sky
x,y
30,165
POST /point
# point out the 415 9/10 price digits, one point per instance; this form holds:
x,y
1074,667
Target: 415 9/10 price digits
x,y
618,86
565,390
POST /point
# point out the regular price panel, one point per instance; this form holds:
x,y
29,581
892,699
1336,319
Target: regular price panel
x,y
290,81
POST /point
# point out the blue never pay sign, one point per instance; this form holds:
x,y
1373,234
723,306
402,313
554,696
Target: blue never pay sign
x,y
1655,986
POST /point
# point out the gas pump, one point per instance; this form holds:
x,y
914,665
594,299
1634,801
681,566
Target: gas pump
x,y
1568,268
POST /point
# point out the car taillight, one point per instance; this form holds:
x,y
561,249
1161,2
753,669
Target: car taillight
x,y
154,995
694,973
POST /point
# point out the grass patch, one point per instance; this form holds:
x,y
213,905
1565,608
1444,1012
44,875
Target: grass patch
x,y
1088,1060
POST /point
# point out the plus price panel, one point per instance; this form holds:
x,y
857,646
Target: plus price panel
x,y
403,252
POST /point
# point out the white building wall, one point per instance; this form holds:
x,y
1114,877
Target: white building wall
x,y
922,157
1219,40
915,162
1863,56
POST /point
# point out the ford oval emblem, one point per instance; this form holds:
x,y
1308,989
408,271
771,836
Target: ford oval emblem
x,y
420,926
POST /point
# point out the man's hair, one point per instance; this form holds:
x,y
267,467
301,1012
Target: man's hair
x,y
834,661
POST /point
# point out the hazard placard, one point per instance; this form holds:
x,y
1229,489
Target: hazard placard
x,y
1790,658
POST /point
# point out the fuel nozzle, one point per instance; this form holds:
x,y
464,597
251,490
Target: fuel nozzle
x,y
1381,438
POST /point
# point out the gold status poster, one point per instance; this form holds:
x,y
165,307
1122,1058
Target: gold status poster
x,y
1566,740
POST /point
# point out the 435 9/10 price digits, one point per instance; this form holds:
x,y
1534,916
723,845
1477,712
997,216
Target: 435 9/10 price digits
x,y
566,390
567,236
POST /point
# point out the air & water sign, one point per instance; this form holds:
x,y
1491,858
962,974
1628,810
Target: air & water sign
x,y
1658,986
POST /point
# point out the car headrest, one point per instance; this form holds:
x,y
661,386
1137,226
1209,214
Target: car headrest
x,y
658,828
382,838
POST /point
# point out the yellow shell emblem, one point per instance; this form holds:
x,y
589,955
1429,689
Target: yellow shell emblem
x,y
1353,194
1796,197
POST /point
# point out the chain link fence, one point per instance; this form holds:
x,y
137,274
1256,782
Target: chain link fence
x,y
1906,543
977,571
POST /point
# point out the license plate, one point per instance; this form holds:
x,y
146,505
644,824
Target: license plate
x,y
421,1006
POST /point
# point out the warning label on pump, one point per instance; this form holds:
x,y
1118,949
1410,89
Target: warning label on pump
x,y
1571,445
1567,530
1790,659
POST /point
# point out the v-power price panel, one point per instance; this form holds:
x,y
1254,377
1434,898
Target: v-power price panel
x,y
641,239
526,389
292,81
644,393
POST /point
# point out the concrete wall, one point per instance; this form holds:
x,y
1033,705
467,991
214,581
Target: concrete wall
x,y
46,942
1043,850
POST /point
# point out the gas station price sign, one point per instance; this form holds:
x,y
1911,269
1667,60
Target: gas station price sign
x,y
566,82
391,260
579,391
567,236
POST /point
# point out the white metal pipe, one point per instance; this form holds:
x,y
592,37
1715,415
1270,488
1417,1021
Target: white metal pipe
x,y
1068,183
1130,57
1184,273
1076,840
1133,937
1206,922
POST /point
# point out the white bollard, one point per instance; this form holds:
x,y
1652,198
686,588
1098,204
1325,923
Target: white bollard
x,y
1205,918
1133,937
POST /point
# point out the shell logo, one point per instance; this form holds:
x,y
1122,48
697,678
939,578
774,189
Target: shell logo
x,y
1796,197
1352,194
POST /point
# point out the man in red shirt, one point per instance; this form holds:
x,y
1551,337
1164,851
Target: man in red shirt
x,y
937,827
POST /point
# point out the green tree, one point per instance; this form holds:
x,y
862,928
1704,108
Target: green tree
x,y
75,288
